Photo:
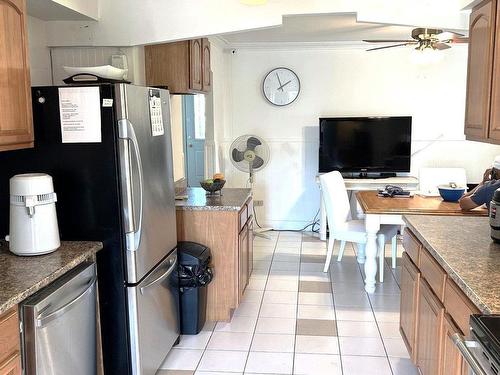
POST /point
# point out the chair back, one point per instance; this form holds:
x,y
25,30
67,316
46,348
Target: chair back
x,y
431,178
338,209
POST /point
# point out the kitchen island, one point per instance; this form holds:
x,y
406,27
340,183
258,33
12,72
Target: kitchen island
x,y
23,276
450,270
224,223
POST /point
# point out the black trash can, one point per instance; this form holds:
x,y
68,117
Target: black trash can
x,y
195,274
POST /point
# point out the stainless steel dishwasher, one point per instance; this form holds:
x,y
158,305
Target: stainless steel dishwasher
x,y
59,325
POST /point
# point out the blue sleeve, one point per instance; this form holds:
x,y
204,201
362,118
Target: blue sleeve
x,y
484,194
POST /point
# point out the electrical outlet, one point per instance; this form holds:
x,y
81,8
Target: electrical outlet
x,y
258,203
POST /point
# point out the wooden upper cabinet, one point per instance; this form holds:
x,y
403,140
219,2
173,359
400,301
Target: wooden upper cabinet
x,y
206,67
494,125
16,121
180,66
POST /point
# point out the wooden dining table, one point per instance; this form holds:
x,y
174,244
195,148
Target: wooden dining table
x,y
382,210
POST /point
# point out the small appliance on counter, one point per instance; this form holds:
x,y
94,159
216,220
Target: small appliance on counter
x,y
33,219
494,217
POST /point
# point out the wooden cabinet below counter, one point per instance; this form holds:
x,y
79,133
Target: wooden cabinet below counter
x,y
16,120
229,235
10,357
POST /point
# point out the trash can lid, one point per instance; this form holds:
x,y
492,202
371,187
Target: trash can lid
x,y
192,253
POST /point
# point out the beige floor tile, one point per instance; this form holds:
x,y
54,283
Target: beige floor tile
x,y
305,258
315,287
315,312
356,365
357,329
311,267
276,325
278,310
230,341
317,344
223,361
317,364
362,346
269,363
268,342
182,359
314,276
316,327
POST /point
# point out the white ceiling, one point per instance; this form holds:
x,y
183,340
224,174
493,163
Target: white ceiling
x,y
49,10
322,28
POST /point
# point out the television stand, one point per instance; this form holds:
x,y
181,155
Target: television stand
x,y
364,175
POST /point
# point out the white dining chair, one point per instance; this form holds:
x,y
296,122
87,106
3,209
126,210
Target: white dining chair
x,y
344,229
430,178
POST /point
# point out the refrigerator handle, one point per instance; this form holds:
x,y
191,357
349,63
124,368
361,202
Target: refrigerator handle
x,y
133,225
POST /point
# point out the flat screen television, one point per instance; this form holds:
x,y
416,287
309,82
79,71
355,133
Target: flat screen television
x,y
365,144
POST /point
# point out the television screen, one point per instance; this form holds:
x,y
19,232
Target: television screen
x,y
365,144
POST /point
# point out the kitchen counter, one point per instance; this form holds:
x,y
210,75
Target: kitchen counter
x,y
22,276
232,199
463,247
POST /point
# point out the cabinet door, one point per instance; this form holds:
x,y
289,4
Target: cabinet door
x,y
410,278
16,123
195,65
243,260
430,324
452,362
494,129
481,40
206,67
12,365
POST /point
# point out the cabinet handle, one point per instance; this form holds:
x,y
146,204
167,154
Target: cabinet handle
x,y
462,346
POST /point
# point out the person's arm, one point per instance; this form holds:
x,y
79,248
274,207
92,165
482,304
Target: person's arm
x,y
466,203
479,196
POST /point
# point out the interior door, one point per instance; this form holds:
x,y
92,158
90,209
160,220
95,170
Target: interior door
x,y
146,170
194,127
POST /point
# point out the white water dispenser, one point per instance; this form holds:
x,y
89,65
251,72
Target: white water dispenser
x,y
33,218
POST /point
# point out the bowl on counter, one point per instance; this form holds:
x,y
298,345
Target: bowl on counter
x,y
212,188
451,193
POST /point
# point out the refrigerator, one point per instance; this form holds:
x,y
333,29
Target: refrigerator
x,y
108,148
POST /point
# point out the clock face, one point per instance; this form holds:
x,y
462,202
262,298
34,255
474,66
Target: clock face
x,y
281,86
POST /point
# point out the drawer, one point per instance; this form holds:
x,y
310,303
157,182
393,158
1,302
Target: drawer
x,y
458,306
9,334
412,246
243,217
432,273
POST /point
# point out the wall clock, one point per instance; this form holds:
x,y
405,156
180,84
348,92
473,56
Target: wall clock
x,y
281,86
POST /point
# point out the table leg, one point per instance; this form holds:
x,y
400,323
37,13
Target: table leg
x,y
372,224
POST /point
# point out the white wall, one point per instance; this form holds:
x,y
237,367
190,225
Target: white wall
x,y
39,53
344,82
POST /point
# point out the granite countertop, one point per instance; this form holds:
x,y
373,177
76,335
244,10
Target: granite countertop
x,y
232,199
463,247
20,277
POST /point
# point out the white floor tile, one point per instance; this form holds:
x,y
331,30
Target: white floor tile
x,y
198,341
317,364
285,266
354,314
389,330
267,342
363,346
402,366
182,359
317,344
284,285
221,360
230,341
276,325
311,267
355,365
387,316
216,373
253,296
284,275
321,299
289,244
316,312
209,326
286,257
287,250
263,256
351,299
237,324
278,310
396,347
255,283
272,296
314,276
263,265
357,329
247,309
269,363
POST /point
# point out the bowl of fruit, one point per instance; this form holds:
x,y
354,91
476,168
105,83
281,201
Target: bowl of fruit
x,y
214,184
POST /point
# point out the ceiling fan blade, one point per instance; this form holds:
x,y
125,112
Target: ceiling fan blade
x,y
257,162
388,40
237,155
394,45
440,46
460,40
253,142
447,35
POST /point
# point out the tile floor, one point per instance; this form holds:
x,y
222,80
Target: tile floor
x,y
295,319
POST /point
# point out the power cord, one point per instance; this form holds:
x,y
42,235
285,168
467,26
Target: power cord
x,y
313,224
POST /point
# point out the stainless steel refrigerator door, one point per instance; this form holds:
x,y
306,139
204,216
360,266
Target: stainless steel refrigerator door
x,y
146,172
154,317
60,327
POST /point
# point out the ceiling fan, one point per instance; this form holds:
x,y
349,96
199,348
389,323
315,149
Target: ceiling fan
x,y
423,38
